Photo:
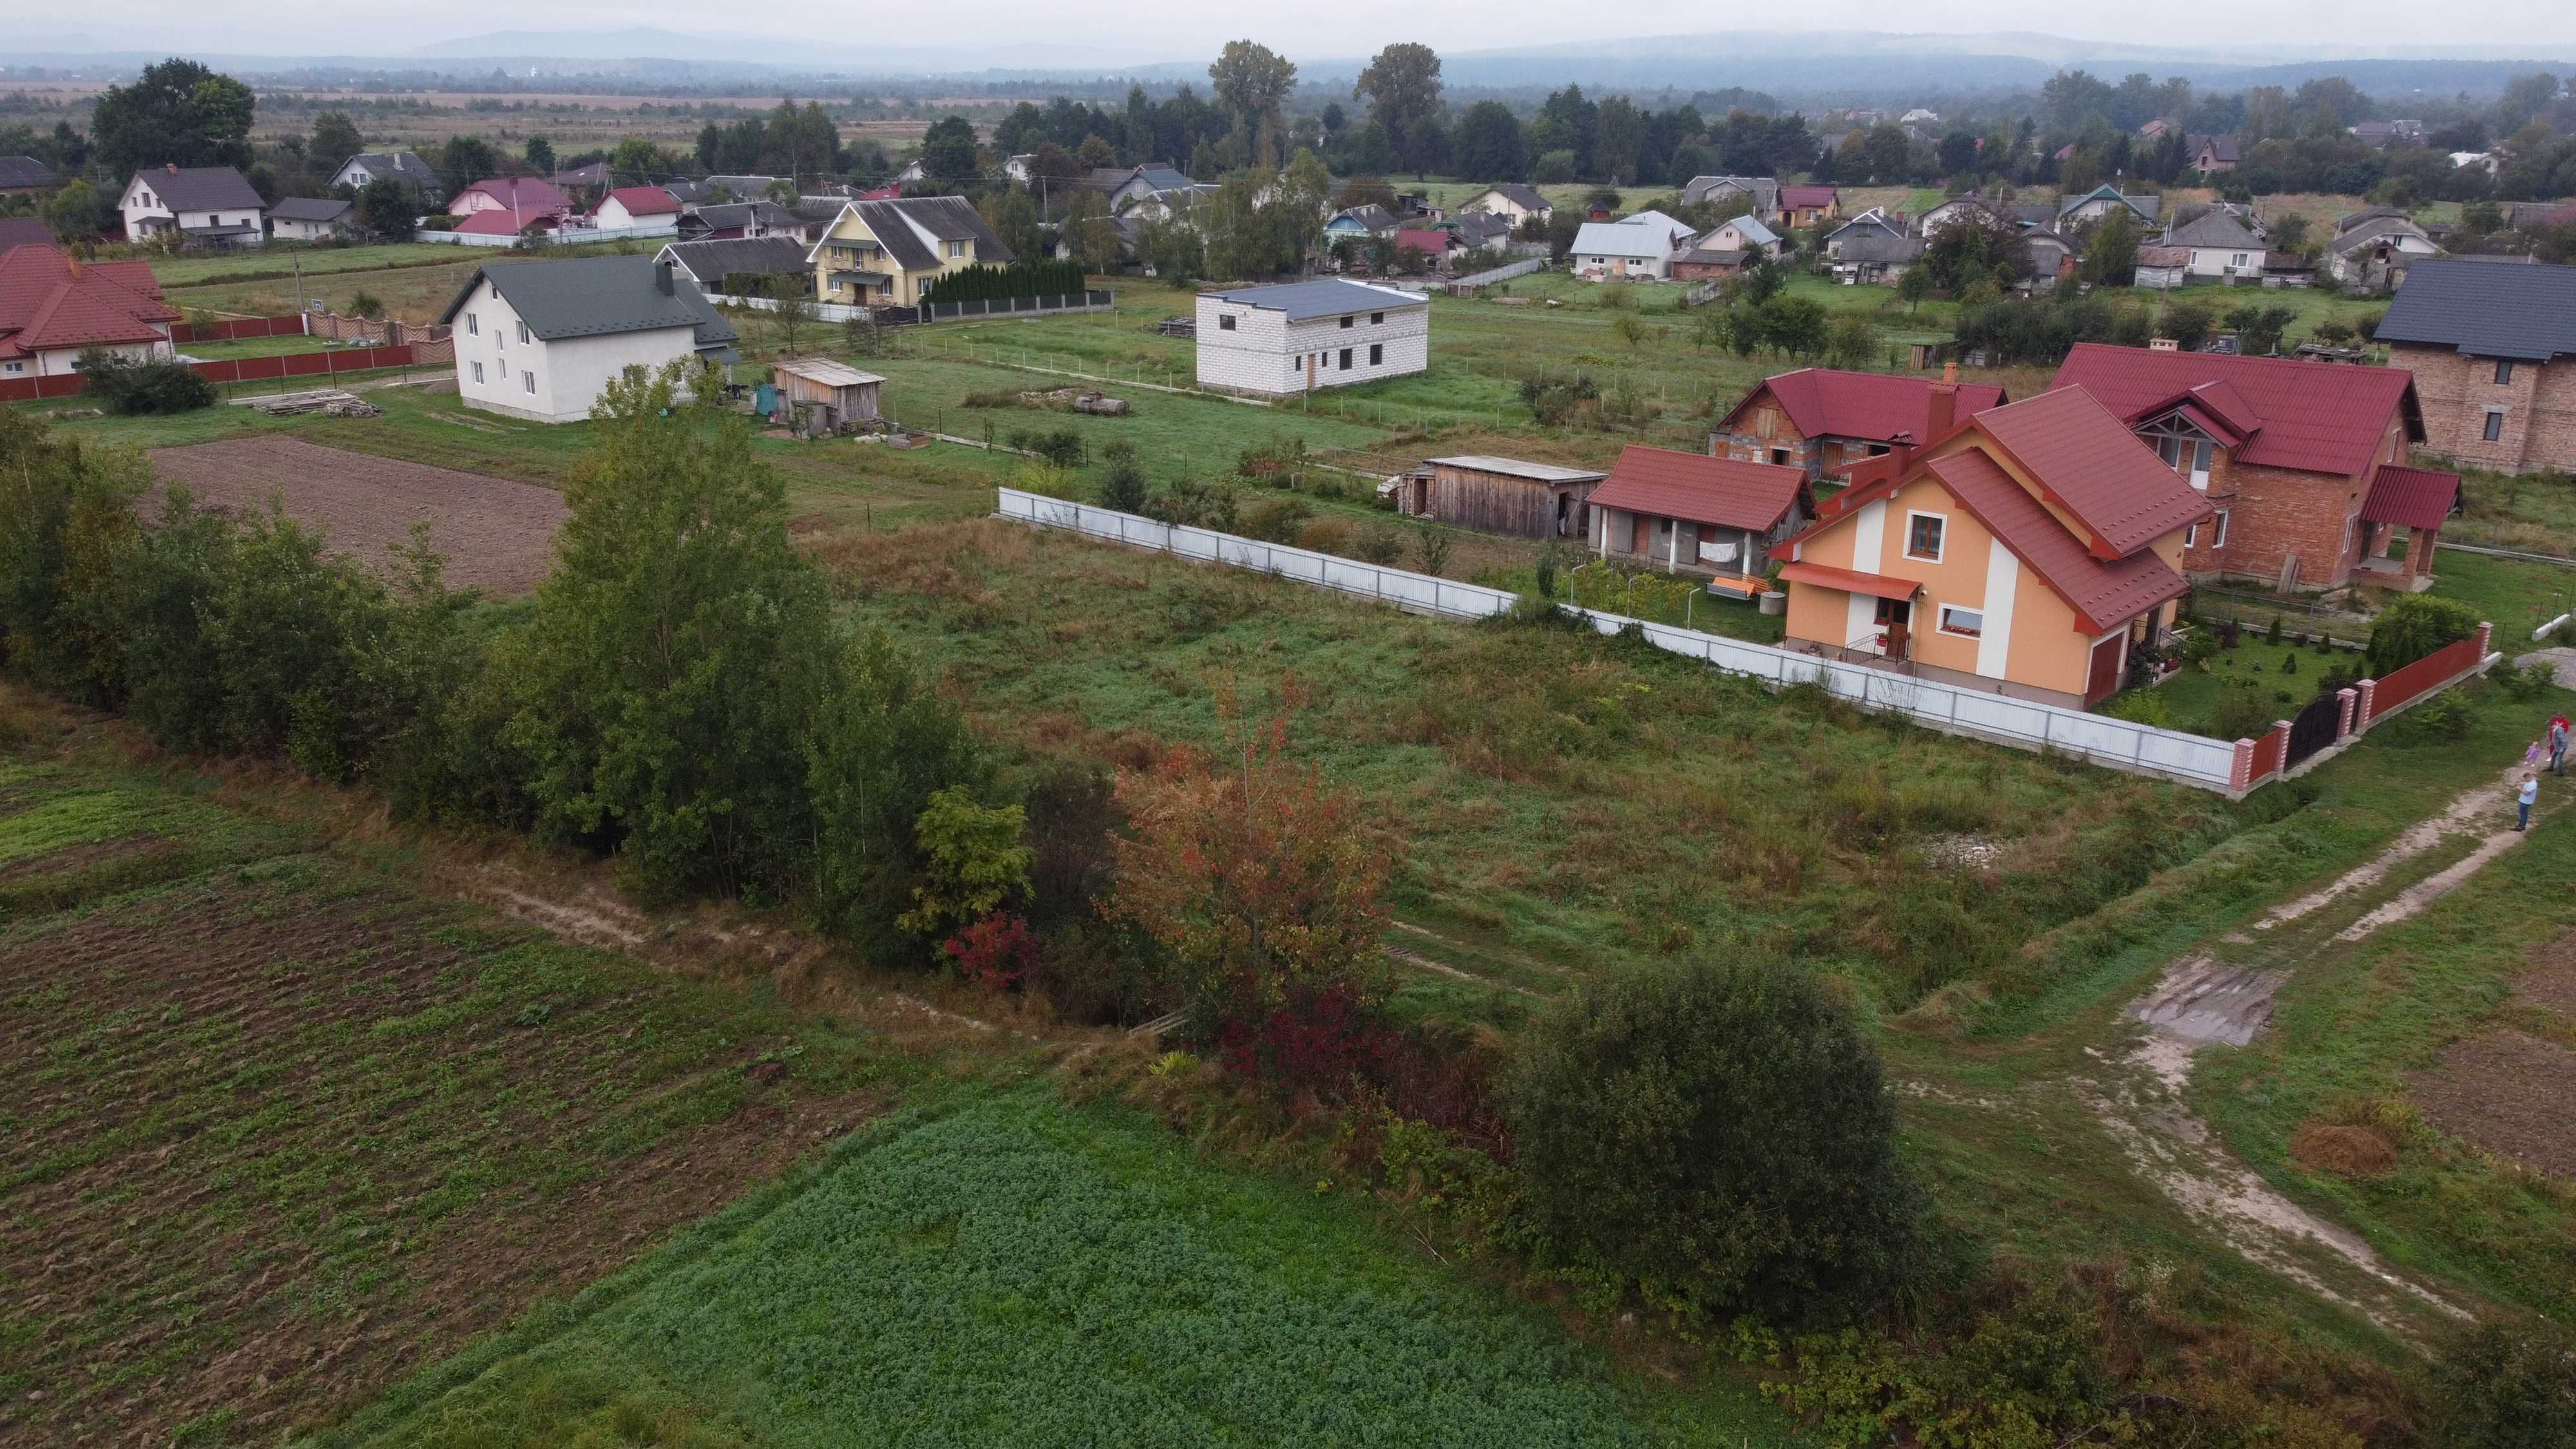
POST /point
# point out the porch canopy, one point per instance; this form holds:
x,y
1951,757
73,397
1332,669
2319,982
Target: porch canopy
x,y
1849,581
2416,497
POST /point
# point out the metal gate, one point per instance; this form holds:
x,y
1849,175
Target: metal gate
x,y
2313,728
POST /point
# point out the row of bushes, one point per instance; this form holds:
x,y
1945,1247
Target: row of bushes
x,y
985,283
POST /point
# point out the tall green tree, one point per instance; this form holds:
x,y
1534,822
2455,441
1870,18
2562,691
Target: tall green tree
x,y
335,140
1402,87
1486,146
387,208
1253,83
540,154
948,150
669,674
2111,253
1014,218
177,112
465,160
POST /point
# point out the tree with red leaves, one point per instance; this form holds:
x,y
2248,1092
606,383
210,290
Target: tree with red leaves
x,y
1256,875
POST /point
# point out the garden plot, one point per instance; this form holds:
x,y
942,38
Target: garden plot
x,y
496,535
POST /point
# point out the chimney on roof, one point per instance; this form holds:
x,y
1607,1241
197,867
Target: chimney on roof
x,y
662,277
1942,408
1900,453
170,166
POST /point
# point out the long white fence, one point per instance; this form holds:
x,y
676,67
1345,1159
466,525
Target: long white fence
x,y
571,236
2026,724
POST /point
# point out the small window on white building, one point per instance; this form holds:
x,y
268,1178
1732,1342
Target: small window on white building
x,y
1966,623
1347,321
478,373
1376,317
1377,353
14,368
1225,322
529,380
523,332
473,325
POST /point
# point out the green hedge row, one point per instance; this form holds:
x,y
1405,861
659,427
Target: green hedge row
x,y
982,283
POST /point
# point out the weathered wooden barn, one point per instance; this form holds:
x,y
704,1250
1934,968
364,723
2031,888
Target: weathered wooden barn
x,y
845,396
1502,495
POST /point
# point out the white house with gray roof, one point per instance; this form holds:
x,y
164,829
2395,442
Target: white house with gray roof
x,y
1640,246
405,167
209,206
539,340
1303,336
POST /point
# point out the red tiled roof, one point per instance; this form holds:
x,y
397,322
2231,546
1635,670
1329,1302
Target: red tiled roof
x,y
504,223
528,194
643,200
2303,415
2415,497
47,300
1823,402
1429,243
2101,592
2089,463
1849,581
1807,196
1696,488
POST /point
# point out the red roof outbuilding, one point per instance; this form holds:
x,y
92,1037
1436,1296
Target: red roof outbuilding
x,y
2285,412
2416,497
1429,243
644,201
1795,196
1696,488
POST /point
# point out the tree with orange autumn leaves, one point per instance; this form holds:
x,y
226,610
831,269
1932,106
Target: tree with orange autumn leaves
x,y
1259,878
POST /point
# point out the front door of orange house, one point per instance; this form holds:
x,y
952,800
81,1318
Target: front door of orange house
x,y
2102,675
1894,616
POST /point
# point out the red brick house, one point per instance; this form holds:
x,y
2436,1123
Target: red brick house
x,y
2493,351
2305,462
1819,419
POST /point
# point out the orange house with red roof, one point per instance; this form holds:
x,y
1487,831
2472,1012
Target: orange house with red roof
x,y
54,306
2304,463
2024,550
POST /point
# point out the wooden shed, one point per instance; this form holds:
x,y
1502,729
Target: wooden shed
x,y
843,395
1502,495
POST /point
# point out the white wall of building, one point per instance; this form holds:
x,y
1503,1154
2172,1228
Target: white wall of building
x,y
286,230
550,382
2225,262
1265,353
64,361
142,203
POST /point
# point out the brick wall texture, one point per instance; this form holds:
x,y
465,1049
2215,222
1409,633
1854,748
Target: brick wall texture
x,y
2539,402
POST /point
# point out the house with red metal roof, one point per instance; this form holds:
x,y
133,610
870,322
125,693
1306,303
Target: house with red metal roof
x,y
1691,513
634,206
1819,419
2304,463
525,197
54,306
2028,549
1808,205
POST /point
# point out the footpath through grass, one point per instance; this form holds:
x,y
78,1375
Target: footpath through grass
x,y
1008,1270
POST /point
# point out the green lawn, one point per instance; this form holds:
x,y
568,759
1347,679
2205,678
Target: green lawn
x,y
2515,595
284,258
256,346
1010,1271
2273,670
2532,513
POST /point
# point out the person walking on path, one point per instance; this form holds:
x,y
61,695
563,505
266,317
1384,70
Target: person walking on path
x,y
2531,756
2559,730
2524,798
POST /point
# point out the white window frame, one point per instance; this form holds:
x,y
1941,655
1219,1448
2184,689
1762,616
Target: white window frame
x,y
1978,631
2218,530
1905,545
2190,536
529,381
473,325
478,374
523,334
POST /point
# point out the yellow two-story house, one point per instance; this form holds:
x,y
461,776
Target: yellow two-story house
x,y
883,253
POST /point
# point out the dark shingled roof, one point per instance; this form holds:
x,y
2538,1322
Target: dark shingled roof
x,y
403,166
711,261
595,297
1330,297
2528,313
1526,197
199,188
23,171
309,208
945,218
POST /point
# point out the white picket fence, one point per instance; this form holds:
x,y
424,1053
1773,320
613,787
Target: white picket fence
x,y
2025,724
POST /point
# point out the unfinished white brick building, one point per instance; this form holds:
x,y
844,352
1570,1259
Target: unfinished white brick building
x,y
1300,336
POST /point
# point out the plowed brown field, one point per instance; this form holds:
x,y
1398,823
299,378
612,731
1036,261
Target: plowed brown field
x,y
497,535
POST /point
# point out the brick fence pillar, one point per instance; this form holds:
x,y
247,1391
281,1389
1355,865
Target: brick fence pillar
x,y
2344,699
2486,631
2242,766
2281,746
2361,710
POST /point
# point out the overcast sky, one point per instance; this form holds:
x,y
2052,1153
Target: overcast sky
x,y
1148,30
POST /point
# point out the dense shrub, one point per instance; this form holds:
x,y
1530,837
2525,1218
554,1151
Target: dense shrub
x,y
2507,1383
2414,626
1719,1136
128,385
985,283
2243,711
1123,486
